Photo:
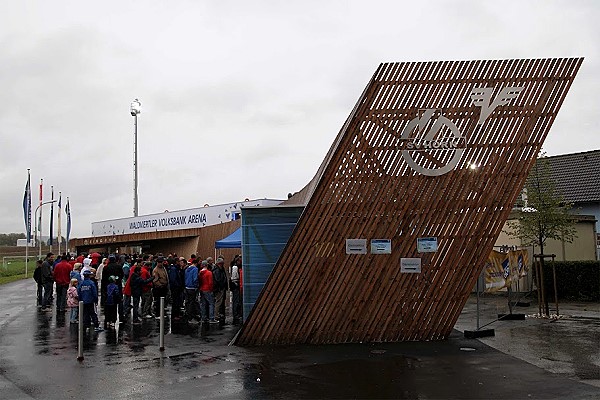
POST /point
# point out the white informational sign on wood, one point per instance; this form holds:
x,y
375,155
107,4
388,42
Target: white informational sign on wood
x,y
356,246
381,246
427,245
410,265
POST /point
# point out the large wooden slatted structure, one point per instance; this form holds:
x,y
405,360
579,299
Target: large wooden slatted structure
x,y
373,184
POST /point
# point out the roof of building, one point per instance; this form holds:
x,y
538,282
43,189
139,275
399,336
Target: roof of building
x,y
577,175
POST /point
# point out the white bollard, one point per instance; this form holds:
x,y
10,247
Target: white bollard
x,y
80,341
162,324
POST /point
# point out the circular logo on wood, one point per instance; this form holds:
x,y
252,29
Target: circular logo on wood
x,y
431,145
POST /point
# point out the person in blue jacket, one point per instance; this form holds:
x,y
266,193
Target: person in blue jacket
x,y
88,293
192,308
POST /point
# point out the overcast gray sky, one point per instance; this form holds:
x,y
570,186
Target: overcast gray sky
x,y
241,99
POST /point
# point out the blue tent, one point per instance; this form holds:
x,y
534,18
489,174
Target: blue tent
x,y
233,241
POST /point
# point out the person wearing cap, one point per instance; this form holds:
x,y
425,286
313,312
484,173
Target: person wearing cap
x,y
76,272
47,281
220,289
87,292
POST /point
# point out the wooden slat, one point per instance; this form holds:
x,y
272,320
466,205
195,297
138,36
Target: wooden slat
x,y
366,189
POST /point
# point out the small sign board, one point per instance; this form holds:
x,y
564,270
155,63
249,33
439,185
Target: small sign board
x,y
381,246
427,245
410,265
356,246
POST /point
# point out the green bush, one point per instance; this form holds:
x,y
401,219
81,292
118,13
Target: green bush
x,y
575,280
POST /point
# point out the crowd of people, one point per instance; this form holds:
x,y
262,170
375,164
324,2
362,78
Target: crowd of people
x,y
128,288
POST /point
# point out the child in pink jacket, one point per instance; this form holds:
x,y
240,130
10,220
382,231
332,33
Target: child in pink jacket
x,y
73,300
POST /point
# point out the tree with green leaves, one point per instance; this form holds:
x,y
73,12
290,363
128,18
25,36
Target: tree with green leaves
x,y
546,215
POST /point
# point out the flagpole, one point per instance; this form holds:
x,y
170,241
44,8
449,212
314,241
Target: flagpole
x,y
59,232
27,219
51,242
68,213
40,220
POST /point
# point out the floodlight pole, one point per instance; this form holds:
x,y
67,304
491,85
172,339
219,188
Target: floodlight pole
x,y
135,110
36,224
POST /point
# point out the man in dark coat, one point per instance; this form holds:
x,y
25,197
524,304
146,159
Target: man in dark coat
x,y
113,269
47,281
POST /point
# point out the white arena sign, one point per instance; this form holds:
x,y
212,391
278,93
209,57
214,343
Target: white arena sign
x,y
183,219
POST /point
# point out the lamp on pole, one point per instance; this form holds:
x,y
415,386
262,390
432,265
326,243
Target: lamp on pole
x,y
36,224
136,108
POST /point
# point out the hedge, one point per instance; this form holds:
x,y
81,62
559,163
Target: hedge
x,y
575,280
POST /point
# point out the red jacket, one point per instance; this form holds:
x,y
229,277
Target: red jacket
x,y
127,288
206,280
62,272
96,258
145,274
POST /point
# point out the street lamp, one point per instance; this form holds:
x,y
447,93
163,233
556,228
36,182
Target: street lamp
x,y
136,108
36,224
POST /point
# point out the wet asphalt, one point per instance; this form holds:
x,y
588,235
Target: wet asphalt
x,y
532,359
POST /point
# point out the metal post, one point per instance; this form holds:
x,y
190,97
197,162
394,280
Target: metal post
x,y
162,324
555,286
478,280
80,341
26,252
135,168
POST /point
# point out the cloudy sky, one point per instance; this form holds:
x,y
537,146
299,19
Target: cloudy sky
x,y
241,99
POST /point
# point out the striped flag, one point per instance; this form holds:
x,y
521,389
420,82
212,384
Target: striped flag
x,y
68,211
51,217
27,208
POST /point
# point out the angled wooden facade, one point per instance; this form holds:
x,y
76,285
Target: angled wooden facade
x,y
432,149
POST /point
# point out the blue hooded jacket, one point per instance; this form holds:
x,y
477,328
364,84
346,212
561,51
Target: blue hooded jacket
x,y
87,291
191,277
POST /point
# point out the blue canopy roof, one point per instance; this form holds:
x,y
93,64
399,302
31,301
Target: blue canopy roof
x,y
233,241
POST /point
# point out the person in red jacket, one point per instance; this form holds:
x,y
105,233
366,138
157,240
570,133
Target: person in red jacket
x,y
62,277
207,299
146,291
95,259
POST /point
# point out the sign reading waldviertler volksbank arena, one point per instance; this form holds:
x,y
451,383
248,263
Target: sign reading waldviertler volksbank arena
x,y
183,219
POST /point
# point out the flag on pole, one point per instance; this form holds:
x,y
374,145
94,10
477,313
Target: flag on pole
x,y
59,233
40,219
68,211
51,216
27,208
